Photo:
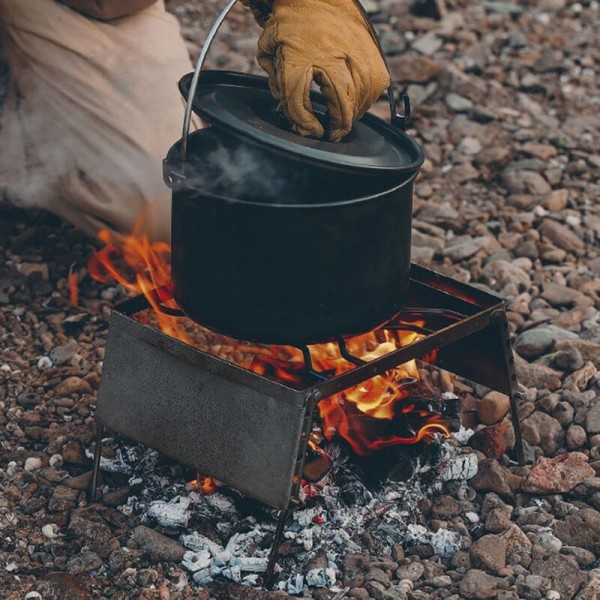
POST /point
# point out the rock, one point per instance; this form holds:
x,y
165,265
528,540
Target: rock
x,y
74,454
90,528
428,44
157,545
462,172
477,584
446,507
72,385
588,349
490,440
581,529
576,437
551,434
547,542
496,156
63,354
500,273
62,586
498,520
567,360
33,463
412,571
379,575
63,498
488,553
458,103
469,146
556,200
592,419
592,590
541,151
580,379
494,406
461,248
560,295
524,181
534,342
533,375
82,563
491,478
414,69
561,236
518,545
584,558
562,571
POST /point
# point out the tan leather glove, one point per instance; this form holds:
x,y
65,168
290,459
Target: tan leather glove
x,y
105,10
327,41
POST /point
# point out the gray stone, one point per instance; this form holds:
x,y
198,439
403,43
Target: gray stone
x,y
479,585
581,529
550,431
82,563
561,235
534,342
157,545
562,571
458,103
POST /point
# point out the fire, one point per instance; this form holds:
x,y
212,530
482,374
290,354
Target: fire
x,y
207,485
367,416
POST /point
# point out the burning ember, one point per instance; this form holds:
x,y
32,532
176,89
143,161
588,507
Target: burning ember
x,y
371,416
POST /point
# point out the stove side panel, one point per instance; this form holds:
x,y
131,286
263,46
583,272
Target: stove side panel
x,y
242,437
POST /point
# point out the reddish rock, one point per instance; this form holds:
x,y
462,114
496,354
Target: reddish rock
x,y
491,440
557,475
72,385
491,477
488,553
518,545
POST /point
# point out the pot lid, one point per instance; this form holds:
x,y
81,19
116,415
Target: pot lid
x,y
244,105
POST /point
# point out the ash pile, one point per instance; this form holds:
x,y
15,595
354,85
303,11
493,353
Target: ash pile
x,y
354,506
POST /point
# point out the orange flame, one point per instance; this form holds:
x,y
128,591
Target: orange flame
x,y
73,282
207,485
143,267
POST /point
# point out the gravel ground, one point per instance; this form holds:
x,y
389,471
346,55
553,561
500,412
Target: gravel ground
x,y
507,109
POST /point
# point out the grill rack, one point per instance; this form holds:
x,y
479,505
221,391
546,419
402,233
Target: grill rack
x,y
251,432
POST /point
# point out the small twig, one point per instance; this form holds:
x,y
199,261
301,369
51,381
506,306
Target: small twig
x,y
341,594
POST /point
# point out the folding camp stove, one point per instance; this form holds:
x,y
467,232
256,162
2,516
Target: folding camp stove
x,y
251,432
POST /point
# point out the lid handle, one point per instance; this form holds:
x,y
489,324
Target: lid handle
x,y
397,119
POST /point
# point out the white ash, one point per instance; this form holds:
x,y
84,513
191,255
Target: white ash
x,y
233,542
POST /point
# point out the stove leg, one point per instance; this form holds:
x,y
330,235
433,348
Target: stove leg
x,y
283,515
96,468
514,415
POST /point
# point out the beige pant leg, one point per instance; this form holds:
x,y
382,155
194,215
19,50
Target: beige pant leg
x,y
98,108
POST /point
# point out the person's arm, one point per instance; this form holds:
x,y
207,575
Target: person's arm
x,y
105,10
329,42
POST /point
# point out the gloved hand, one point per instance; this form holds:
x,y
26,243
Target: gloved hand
x,y
105,10
327,41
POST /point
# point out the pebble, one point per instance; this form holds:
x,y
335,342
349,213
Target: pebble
x,y
50,530
157,545
33,463
494,406
82,563
488,553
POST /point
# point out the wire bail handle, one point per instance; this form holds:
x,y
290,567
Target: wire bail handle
x,y
397,119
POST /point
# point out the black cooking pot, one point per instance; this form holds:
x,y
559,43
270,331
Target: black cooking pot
x,y
281,239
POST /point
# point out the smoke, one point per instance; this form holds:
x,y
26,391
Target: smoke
x,y
243,171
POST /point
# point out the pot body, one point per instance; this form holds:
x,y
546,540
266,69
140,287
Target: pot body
x,y
300,255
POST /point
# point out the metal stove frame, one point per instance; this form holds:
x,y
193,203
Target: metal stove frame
x,y
250,432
